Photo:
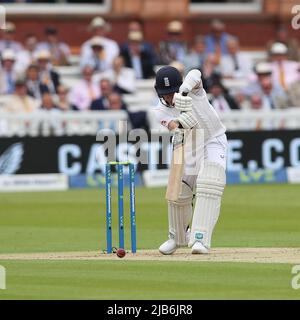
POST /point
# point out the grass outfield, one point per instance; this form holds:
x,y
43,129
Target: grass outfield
x,y
252,216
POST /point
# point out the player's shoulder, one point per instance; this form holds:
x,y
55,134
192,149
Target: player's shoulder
x,y
159,107
163,112
162,108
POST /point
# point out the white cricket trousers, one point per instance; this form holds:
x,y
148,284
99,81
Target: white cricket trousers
x,y
215,150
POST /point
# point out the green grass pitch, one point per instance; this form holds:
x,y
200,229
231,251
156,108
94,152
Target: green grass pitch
x,y
252,216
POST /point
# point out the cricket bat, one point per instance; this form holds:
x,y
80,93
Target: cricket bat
x,y
177,165
176,169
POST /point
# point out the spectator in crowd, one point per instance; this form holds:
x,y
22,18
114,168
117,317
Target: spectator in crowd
x,y
62,99
262,92
138,120
19,101
262,102
261,70
284,71
8,39
8,74
134,26
294,92
270,98
60,52
34,87
136,57
85,91
122,78
196,56
48,102
97,57
115,102
220,99
110,101
102,102
99,28
256,102
282,36
26,56
48,77
173,48
235,64
210,70
217,39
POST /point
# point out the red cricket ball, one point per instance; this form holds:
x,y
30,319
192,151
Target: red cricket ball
x,y
121,253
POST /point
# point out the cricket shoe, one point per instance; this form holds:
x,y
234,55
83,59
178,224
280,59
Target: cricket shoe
x,y
199,248
168,247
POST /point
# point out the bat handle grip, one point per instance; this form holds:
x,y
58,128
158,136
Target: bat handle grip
x,y
184,94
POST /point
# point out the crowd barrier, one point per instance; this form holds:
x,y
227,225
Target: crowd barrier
x,y
55,123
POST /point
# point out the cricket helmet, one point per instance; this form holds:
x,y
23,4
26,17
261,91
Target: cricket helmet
x,y
168,80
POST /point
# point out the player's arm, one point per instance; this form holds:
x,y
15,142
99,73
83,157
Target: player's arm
x,y
186,120
166,119
191,82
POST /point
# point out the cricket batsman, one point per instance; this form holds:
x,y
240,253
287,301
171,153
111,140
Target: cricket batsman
x,y
184,105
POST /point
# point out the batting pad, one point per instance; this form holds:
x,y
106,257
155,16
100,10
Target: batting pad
x,y
210,186
180,214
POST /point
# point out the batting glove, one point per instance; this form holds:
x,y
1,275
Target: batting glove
x,y
183,103
178,138
187,120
